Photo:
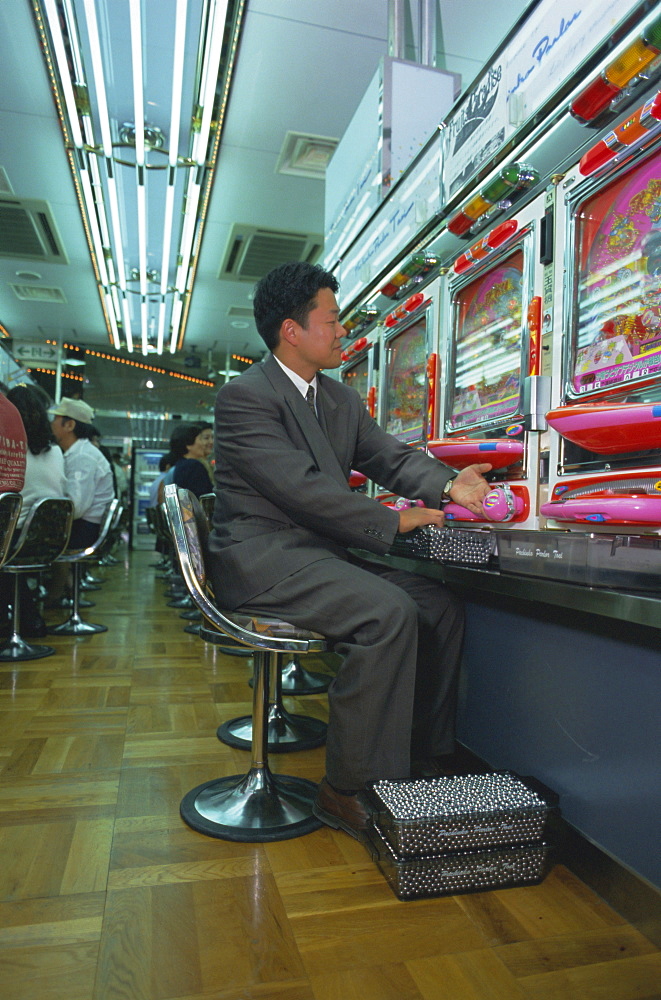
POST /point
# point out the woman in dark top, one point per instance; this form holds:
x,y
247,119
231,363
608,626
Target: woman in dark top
x,y
190,445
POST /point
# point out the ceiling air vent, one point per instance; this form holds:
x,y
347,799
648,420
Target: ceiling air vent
x,y
305,155
253,252
36,293
240,312
28,231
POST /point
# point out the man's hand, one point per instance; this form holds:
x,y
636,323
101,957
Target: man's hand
x,y
470,488
415,517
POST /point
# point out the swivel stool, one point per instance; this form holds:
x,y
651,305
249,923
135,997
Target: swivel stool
x,y
258,806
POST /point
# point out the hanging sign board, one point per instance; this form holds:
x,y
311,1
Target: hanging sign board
x,y
35,355
550,45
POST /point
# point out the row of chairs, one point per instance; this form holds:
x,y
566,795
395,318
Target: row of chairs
x,y
257,806
42,542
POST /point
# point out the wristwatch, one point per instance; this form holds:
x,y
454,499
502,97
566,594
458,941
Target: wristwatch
x,y
445,495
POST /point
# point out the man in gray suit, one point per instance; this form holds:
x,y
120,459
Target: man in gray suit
x,y
285,520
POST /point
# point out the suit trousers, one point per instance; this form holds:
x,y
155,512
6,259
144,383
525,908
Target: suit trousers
x,y
400,635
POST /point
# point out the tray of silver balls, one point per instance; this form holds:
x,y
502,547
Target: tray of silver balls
x,y
430,816
465,871
447,545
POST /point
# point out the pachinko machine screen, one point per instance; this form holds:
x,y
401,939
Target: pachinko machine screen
x,y
406,386
488,330
616,344
358,377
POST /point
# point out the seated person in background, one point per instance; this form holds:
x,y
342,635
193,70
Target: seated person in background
x,y
44,468
190,444
88,475
286,522
13,446
164,465
44,477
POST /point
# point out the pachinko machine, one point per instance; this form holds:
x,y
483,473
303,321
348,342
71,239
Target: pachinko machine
x,y
360,369
495,394
409,370
605,439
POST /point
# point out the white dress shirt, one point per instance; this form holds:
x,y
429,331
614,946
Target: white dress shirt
x,y
299,382
44,477
88,480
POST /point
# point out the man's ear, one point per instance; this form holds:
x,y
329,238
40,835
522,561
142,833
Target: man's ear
x,y
289,331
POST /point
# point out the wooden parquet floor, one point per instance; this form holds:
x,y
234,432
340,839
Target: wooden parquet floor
x,y
106,894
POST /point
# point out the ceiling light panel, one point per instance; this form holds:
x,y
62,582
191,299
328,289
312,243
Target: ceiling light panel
x,y
141,87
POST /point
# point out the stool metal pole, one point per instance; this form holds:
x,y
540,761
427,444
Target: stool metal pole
x,y
285,732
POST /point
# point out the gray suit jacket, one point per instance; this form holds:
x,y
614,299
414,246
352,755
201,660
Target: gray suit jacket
x,y
282,494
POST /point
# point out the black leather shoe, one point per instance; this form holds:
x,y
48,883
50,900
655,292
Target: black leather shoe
x,y
343,812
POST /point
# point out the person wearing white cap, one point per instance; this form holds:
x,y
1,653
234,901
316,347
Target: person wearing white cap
x,y
88,474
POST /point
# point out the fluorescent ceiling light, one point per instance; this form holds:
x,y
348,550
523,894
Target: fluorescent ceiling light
x,y
140,210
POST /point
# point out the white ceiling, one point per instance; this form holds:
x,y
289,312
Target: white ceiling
x,y
303,66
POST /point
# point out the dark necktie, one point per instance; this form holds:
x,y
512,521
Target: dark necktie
x,y
309,399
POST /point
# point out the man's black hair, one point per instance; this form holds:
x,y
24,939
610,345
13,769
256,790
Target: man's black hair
x,y
81,430
288,292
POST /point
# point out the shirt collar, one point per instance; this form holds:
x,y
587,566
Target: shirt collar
x,y
299,382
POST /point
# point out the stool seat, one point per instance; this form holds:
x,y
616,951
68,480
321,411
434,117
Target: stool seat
x,y
257,806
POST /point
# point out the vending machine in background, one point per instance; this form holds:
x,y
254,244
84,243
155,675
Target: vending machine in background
x,y
605,463
495,397
144,470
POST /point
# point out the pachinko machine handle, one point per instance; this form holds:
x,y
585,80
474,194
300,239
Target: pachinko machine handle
x,y
503,503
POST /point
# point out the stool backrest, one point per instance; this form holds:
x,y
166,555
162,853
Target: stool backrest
x,y
44,535
10,508
190,532
98,548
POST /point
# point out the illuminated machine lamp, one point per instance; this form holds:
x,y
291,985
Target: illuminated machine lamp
x,y
485,246
600,93
417,266
458,452
609,429
361,319
411,304
642,124
355,348
511,179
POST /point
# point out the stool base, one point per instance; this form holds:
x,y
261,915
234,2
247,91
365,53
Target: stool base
x,y
17,649
253,808
297,680
285,732
72,627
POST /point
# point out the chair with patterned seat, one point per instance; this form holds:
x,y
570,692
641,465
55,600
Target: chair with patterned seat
x,y
257,806
42,539
79,558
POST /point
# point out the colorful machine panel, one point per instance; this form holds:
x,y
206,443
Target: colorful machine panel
x,y
405,399
616,342
488,329
357,375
